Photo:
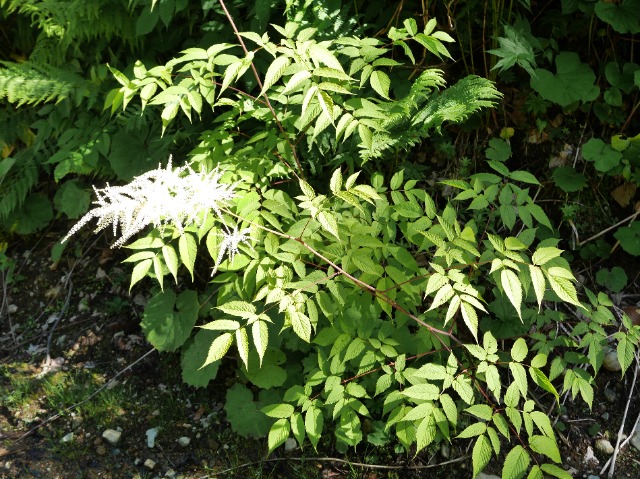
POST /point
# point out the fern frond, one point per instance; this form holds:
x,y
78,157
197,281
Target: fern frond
x,y
16,184
423,110
29,84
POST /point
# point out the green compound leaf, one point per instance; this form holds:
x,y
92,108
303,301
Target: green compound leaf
x,y
568,179
192,355
574,81
516,463
165,328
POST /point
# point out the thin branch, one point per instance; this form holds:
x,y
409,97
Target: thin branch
x,y
268,102
341,461
611,463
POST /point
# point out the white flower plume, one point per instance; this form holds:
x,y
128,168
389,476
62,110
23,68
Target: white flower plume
x,y
230,242
179,197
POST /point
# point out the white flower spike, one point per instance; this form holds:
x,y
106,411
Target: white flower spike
x,y
179,197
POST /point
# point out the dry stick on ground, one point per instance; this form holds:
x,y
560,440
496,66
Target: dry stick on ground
x,y
88,398
341,461
613,458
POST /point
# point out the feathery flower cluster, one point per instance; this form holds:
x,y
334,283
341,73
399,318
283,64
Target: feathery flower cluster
x,y
179,197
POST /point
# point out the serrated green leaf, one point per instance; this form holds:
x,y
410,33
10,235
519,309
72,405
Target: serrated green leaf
x,y
535,473
222,325
545,445
218,348
335,184
328,222
516,463
481,454
543,381
278,411
297,427
260,334
171,260
241,309
275,72
140,270
519,377
380,82
555,471
538,282
470,318
242,343
425,433
278,433
188,248
473,430
626,352
313,422
519,350
427,392
512,288
450,409
295,81
483,411
524,177
564,288
301,325
544,255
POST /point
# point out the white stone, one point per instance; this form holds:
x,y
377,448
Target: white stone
x,y
100,274
290,444
610,362
111,436
604,446
184,441
151,437
149,464
67,438
170,473
482,475
12,308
